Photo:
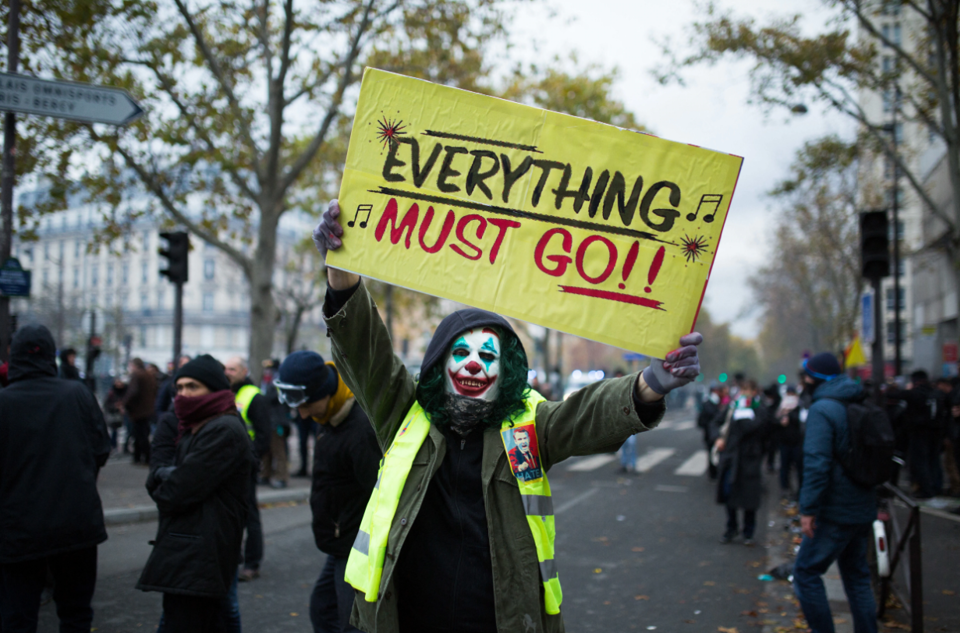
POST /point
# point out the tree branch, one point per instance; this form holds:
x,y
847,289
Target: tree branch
x,y
902,54
220,77
345,80
157,190
264,38
311,86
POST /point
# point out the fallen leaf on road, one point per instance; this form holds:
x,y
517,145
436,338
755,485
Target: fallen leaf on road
x,y
597,570
606,602
752,614
294,614
947,592
709,583
724,629
689,621
641,597
636,549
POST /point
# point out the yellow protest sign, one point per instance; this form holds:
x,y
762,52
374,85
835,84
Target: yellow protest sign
x,y
575,225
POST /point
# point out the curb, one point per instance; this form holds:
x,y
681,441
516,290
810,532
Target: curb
x,y
142,514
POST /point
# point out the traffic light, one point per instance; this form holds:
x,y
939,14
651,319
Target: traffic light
x,y
874,245
177,254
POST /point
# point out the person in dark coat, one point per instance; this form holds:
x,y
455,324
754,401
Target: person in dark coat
x,y
926,419
714,406
138,405
68,364
740,444
202,501
345,465
53,442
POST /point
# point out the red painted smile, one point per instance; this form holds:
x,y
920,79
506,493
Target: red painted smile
x,y
471,386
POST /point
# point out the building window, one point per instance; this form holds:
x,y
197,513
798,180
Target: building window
x,y
62,248
143,301
76,249
887,100
902,266
76,276
890,7
143,336
888,64
109,274
94,276
161,297
46,276
903,332
125,274
143,272
890,296
208,302
209,267
46,251
891,33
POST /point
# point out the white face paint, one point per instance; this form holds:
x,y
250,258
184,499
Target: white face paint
x,y
473,364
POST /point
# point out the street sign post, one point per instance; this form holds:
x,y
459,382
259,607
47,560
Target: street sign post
x,y
67,100
14,280
866,308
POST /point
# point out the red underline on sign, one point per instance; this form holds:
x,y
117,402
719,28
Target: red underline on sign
x,y
613,296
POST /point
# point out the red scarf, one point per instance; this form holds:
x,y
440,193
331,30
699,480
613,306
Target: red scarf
x,y
192,411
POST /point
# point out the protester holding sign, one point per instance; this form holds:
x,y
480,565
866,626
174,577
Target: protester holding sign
x,y
459,532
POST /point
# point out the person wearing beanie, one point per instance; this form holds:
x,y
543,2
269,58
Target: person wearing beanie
x,y
345,460
201,499
457,536
53,442
836,514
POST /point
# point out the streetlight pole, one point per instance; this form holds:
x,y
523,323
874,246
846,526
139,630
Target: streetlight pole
x,y
9,153
897,353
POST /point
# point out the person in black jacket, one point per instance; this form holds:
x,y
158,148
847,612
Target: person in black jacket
x,y
68,364
53,442
202,499
345,463
925,417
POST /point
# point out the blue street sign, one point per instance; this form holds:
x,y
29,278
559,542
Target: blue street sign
x,y
866,308
14,280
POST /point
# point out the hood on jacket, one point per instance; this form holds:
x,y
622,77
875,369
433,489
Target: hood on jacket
x,y
841,388
456,324
33,354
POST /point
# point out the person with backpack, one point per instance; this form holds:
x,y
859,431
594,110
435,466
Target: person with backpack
x,y
836,513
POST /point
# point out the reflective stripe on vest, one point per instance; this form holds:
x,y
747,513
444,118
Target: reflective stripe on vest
x,y
245,396
365,565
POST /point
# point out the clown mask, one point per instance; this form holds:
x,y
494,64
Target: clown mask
x,y
473,364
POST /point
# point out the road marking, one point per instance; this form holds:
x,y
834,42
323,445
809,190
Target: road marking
x,y
695,465
685,426
592,463
670,488
666,424
569,504
653,457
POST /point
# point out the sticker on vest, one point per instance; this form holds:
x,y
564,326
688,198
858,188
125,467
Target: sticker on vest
x,y
523,451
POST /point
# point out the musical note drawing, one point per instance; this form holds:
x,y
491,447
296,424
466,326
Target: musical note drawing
x,y
707,201
363,208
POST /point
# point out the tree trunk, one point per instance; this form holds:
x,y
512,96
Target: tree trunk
x,y
263,310
293,330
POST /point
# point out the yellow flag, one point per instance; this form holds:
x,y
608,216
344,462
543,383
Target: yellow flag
x,y
855,356
605,233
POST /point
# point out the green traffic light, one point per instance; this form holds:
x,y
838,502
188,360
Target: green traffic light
x,y
722,378
782,379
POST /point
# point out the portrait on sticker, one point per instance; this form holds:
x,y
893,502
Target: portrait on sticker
x,y
523,451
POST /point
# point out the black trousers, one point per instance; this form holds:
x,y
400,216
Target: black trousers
x,y
253,549
192,614
141,440
75,577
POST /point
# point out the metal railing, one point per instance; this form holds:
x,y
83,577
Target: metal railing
x,y
913,573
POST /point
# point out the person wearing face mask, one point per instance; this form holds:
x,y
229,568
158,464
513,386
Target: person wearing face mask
x,y
345,459
459,532
202,502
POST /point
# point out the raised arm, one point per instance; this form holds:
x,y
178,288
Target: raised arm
x,y
362,349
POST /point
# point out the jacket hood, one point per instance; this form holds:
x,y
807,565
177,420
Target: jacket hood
x,y
841,388
454,325
33,353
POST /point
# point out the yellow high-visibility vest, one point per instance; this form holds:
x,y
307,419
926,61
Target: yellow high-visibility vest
x,y
365,565
245,396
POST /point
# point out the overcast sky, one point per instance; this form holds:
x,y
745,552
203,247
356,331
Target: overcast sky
x,y
710,111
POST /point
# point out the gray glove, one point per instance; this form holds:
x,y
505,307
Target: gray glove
x,y
328,233
164,472
680,367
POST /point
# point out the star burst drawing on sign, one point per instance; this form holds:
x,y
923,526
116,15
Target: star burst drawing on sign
x,y
388,131
693,247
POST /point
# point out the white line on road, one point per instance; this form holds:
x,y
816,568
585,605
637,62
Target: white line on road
x,y
569,504
684,426
695,465
666,424
653,457
592,463
670,488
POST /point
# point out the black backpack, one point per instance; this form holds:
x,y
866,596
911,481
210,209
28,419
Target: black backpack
x,y
868,461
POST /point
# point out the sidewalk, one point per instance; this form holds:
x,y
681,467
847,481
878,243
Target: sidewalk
x,y
125,499
940,534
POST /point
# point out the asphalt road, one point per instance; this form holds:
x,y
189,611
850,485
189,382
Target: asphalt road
x,y
634,552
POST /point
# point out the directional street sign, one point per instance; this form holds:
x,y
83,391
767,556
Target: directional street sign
x,y
14,280
67,100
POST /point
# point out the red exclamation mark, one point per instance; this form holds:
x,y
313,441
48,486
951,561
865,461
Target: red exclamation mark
x,y
655,267
629,262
